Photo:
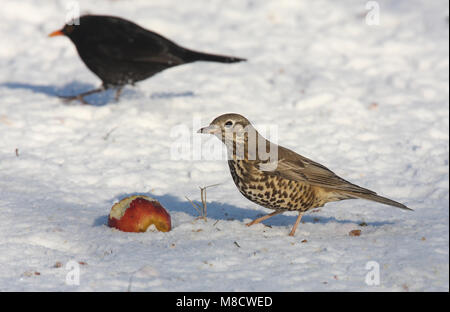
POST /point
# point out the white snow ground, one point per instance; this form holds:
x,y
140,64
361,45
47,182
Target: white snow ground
x,y
369,102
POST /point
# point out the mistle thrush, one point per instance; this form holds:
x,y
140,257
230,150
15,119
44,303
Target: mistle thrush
x,y
280,179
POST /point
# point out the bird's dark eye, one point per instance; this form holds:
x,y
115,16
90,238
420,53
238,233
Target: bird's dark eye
x,y
69,29
229,123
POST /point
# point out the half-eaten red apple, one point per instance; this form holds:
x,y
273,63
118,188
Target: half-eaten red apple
x,y
137,213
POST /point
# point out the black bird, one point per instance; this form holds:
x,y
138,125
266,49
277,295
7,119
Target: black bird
x,y
120,52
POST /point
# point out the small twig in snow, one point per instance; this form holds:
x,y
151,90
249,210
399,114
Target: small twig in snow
x,y
109,133
202,210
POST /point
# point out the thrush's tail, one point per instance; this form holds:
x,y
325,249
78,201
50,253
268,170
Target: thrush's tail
x,y
379,199
192,56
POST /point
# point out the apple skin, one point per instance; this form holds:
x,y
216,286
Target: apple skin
x,y
137,213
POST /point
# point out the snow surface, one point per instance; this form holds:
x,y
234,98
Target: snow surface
x,y
369,102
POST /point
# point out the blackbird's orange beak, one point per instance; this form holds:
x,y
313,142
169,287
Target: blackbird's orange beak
x,y
56,33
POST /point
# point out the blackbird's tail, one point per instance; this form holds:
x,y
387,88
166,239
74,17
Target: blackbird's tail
x,y
192,56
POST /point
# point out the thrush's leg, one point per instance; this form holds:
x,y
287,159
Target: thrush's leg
x,y
118,93
80,97
264,217
300,214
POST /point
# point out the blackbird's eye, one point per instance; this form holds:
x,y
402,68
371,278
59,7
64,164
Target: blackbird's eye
x,y
229,123
68,29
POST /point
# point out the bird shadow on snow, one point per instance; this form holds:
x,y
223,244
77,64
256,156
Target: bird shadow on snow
x,y
226,212
69,89
167,95
98,99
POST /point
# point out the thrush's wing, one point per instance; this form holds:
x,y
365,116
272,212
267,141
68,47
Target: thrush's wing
x,y
293,166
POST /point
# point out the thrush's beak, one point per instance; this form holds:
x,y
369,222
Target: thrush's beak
x,y
211,129
56,33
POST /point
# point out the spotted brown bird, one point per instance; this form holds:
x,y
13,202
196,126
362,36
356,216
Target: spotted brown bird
x,y
120,52
280,179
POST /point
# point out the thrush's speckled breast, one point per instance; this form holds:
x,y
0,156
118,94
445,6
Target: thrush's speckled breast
x,y
273,192
285,182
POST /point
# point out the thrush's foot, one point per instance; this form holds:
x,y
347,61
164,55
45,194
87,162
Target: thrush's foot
x,y
297,222
264,218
